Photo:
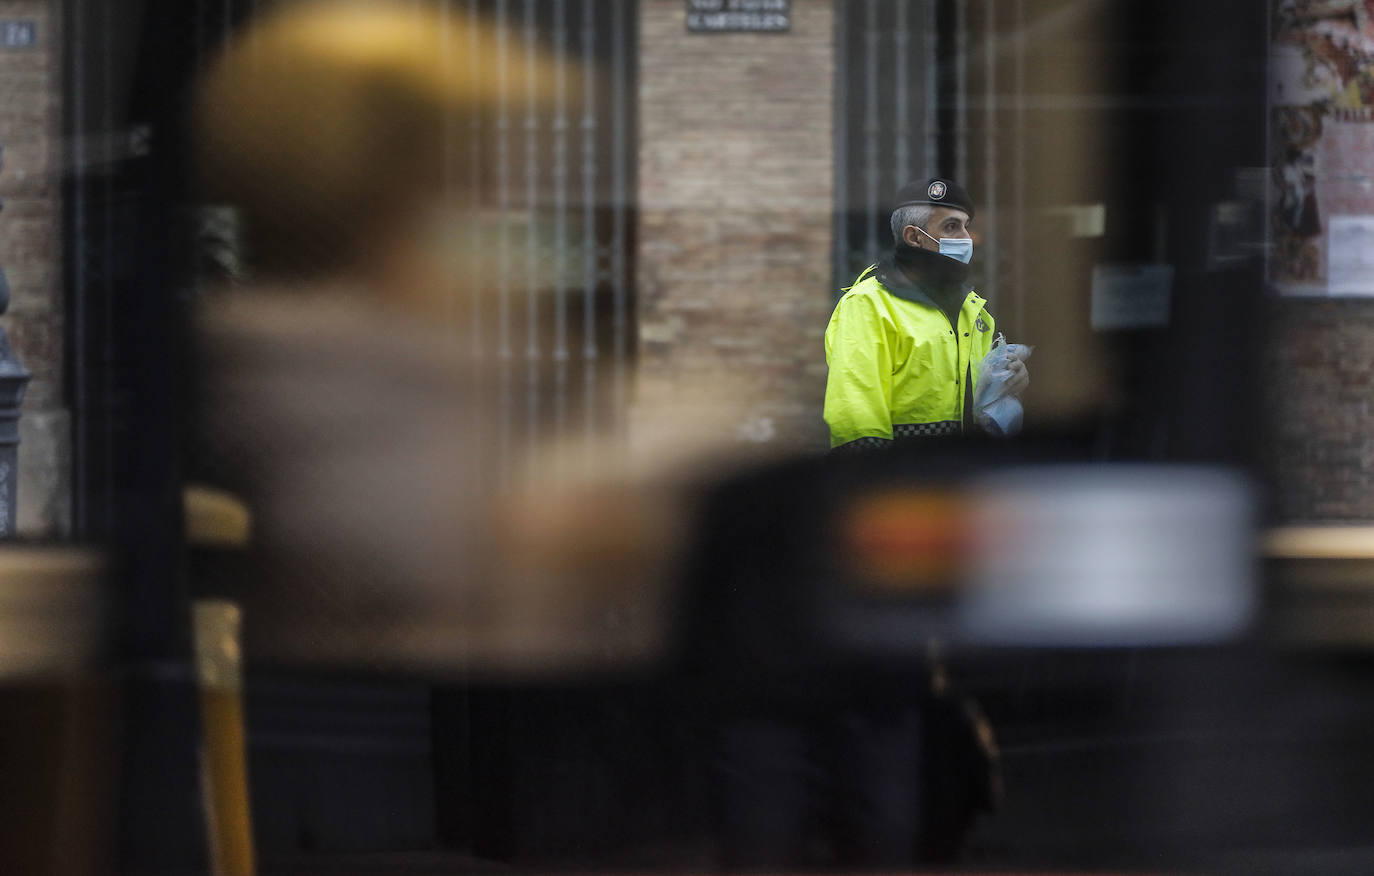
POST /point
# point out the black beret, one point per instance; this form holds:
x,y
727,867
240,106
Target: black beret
x,y
937,192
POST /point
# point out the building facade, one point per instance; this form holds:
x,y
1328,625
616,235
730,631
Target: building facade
x,y
663,245
751,170
31,247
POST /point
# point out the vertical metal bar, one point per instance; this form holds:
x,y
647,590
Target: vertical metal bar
x,y
1161,234
590,259
872,130
559,214
532,231
80,396
449,181
618,194
560,209
1269,157
931,122
901,117
200,35
841,124
503,202
961,91
1019,178
990,152
107,257
475,176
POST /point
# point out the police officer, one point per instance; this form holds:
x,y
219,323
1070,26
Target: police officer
x,y
905,341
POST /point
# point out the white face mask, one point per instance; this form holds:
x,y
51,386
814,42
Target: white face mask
x,y
958,248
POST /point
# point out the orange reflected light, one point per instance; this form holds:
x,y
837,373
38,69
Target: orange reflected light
x,y
906,542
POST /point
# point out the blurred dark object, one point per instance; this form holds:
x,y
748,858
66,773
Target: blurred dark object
x,y
1321,586
810,601
835,785
961,771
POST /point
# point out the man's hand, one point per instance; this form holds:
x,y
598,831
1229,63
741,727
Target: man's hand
x,y
1019,377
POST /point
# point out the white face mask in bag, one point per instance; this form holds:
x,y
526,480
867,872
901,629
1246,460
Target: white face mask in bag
x,y
996,405
958,248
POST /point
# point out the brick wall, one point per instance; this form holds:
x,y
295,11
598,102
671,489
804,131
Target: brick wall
x,y
31,255
736,174
1321,389
1321,383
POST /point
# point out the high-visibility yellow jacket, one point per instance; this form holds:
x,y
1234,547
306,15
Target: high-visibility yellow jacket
x,y
898,368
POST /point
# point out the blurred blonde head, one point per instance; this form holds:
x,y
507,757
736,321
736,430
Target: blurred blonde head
x,y
330,124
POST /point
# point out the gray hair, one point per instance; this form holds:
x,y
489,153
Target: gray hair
x,y
911,214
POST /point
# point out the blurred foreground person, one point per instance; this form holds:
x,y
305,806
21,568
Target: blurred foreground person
x,y
815,586
905,341
341,399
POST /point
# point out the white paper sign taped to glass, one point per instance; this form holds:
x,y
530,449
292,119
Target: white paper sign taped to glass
x,y
17,34
739,16
1131,296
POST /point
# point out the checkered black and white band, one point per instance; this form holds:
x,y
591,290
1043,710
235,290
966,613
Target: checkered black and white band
x,y
862,445
900,433
926,430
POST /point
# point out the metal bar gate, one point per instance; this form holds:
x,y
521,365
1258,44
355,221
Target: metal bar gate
x,y
931,88
554,197
550,190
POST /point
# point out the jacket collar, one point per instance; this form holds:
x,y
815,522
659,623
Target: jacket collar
x,y
895,280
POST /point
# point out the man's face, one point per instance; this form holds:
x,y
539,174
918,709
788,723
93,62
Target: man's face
x,y
944,222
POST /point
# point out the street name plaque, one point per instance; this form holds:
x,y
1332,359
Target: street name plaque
x,y
739,16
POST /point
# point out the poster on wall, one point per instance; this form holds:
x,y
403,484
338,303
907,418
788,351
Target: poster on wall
x,y
1321,147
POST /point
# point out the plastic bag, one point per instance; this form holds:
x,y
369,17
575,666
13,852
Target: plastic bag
x,y
996,401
